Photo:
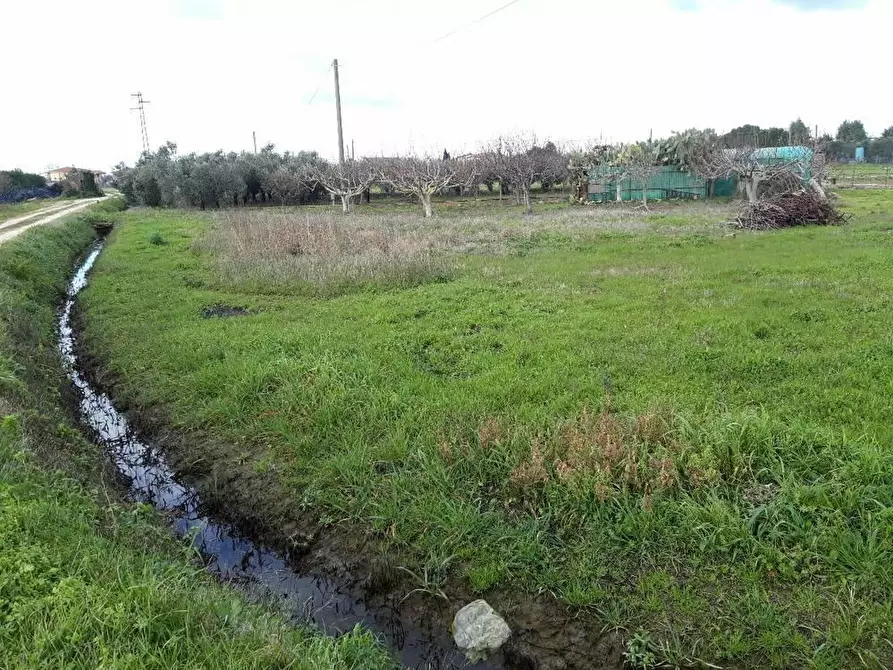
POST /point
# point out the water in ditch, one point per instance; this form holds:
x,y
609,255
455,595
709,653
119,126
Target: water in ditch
x,y
334,607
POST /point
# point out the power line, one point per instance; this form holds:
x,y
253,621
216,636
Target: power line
x,y
320,85
334,66
468,25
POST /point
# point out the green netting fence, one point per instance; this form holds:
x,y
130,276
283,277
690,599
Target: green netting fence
x,y
669,184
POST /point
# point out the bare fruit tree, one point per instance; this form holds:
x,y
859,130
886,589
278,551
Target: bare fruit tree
x,y
519,162
755,167
640,163
423,176
345,180
703,163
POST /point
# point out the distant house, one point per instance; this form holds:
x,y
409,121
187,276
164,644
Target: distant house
x,y
59,174
63,173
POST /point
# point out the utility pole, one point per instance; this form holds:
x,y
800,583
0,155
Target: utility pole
x,y
338,111
254,138
140,107
353,155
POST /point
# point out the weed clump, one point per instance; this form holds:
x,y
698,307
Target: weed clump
x,y
157,239
110,205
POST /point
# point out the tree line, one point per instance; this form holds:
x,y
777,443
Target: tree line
x,y
514,165
838,148
163,178
850,135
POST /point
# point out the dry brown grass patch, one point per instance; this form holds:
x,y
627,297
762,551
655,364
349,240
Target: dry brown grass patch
x,y
609,454
267,248
490,431
654,427
532,471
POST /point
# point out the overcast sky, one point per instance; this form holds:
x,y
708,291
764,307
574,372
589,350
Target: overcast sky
x,y
424,74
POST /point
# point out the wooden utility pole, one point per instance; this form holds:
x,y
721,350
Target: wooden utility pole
x,y
254,138
338,111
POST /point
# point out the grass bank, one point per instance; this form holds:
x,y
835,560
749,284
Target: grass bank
x,y
85,580
676,430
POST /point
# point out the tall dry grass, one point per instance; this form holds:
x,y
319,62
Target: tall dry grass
x,y
323,251
266,249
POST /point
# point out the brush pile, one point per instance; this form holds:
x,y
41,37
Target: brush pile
x,y
790,209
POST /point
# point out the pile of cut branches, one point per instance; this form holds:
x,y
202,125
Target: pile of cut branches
x,y
790,209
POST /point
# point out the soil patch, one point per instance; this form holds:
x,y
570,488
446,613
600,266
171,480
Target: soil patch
x,y
221,311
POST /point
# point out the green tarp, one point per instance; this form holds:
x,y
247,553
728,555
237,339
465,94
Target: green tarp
x,y
670,183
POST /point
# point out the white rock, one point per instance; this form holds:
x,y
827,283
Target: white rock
x,y
479,631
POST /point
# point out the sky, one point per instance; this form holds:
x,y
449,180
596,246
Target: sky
x,y
420,75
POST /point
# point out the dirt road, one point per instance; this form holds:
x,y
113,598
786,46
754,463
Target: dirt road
x,y
12,227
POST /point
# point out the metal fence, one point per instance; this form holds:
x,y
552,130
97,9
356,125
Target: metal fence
x,y
861,175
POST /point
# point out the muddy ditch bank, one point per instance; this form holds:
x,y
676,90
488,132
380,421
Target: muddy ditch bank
x,y
251,531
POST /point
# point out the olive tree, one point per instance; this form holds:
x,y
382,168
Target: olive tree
x,y
798,132
286,185
165,178
852,131
206,180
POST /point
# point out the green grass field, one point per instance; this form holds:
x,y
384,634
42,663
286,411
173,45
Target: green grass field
x,y
848,175
679,430
87,581
12,210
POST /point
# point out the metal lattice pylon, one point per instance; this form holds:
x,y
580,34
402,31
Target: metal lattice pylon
x,y
140,107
